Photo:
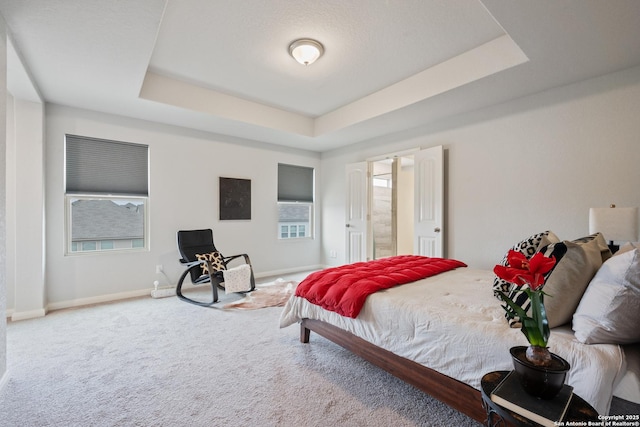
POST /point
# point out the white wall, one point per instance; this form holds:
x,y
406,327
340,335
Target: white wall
x,y
25,208
525,166
531,164
3,204
184,170
10,198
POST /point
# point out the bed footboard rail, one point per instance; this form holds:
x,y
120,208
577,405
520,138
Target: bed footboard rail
x,y
450,391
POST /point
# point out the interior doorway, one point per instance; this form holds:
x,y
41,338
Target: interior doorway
x,y
418,210
392,206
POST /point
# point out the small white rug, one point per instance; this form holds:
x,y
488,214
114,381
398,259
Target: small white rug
x,y
274,294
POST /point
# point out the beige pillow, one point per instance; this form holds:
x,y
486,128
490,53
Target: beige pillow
x,y
602,244
569,279
609,312
629,246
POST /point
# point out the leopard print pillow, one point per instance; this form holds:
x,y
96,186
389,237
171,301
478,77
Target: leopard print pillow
x,y
214,258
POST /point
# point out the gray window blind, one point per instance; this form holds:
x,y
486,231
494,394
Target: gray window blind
x,y
295,183
100,166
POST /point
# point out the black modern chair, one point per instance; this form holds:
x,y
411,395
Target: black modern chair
x,y
204,263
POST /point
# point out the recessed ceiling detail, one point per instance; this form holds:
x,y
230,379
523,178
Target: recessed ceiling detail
x,y
489,58
390,69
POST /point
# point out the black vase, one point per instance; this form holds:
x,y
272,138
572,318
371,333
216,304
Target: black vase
x,y
539,381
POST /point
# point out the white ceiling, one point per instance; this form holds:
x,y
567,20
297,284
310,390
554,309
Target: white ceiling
x,y
389,65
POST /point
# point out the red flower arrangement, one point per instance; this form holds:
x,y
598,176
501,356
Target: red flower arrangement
x,y
529,274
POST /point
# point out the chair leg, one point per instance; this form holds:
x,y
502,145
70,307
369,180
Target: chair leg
x,y
191,301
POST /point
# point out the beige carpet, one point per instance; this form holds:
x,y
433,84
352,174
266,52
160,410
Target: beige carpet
x,y
165,363
274,294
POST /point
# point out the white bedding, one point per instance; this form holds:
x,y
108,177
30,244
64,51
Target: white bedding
x,y
453,324
629,386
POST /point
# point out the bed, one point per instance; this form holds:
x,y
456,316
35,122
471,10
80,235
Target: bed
x,y
442,333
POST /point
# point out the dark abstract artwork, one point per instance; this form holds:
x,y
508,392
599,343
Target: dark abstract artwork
x,y
235,198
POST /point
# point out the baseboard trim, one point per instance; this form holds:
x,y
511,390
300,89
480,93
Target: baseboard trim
x,y
24,315
79,302
288,271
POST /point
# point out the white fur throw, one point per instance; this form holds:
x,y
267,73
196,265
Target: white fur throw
x,y
237,279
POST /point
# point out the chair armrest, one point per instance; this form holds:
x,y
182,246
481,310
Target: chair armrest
x,y
232,257
190,264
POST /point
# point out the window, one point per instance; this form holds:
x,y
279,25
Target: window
x,y
382,182
295,201
106,195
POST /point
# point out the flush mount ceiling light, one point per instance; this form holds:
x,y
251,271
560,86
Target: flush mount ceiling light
x,y
306,51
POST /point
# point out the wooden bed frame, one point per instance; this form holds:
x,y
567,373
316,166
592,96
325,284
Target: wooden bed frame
x,y
450,391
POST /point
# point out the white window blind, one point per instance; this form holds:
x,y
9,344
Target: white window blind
x,y
101,166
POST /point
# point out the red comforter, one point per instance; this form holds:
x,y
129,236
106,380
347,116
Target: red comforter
x,y
344,289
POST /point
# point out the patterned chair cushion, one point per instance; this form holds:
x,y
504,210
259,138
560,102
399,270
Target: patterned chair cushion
x,y
215,258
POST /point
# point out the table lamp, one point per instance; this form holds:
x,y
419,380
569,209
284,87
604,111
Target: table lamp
x,y
615,224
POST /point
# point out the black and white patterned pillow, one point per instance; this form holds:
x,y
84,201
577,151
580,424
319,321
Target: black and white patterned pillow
x,y
214,258
528,247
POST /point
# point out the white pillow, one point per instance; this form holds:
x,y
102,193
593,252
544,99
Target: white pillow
x,y
609,312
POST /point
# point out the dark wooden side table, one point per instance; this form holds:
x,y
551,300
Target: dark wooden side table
x,y
579,410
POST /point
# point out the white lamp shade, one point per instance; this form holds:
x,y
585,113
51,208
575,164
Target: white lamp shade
x,y
615,224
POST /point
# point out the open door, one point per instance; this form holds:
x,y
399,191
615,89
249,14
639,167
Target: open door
x,y
429,202
357,209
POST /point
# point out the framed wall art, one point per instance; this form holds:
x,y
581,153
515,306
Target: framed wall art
x,y
235,199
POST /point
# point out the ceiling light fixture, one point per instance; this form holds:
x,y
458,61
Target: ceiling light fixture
x,y
306,51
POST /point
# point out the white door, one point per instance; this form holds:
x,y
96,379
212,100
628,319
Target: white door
x,y
357,209
429,204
